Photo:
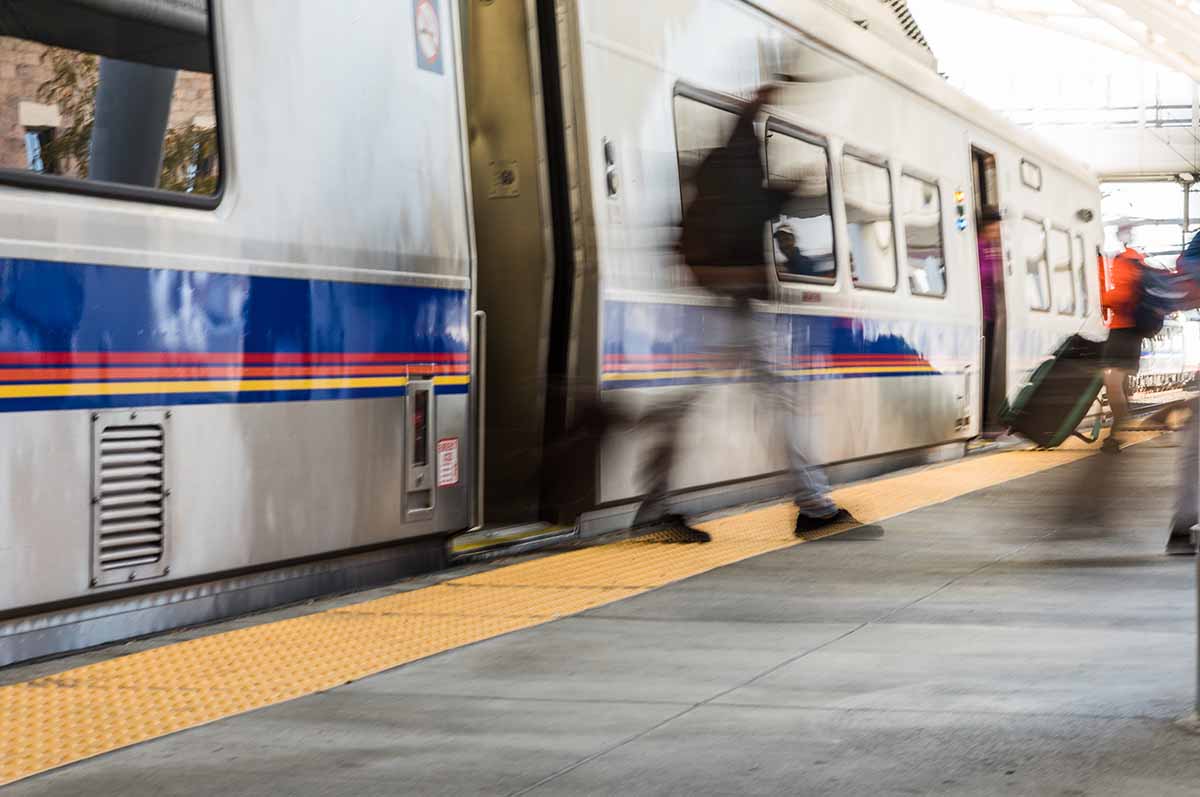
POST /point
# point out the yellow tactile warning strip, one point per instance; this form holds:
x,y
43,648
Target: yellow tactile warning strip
x,y
80,713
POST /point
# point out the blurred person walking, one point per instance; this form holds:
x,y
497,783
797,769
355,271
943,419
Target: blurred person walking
x,y
1187,490
1179,539
722,245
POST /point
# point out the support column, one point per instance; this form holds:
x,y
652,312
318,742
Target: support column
x,y
133,104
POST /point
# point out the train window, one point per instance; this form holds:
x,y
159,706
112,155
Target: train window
x,y
803,233
699,129
921,204
1063,278
1081,272
119,98
1031,175
1037,280
868,192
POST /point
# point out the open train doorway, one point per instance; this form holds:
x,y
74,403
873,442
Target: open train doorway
x,y
991,285
525,276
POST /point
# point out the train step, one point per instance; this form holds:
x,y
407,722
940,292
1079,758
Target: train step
x,y
507,539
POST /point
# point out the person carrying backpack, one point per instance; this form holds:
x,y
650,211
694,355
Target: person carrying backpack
x,y
1122,300
722,244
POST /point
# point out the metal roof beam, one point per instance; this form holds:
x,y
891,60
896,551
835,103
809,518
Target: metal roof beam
x,y
1057,21
1165,23
1139,31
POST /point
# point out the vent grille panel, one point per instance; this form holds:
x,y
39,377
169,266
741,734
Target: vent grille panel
x,y
909,25
129,497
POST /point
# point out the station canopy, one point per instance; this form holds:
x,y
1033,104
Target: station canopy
x,y
1063,62
1165,31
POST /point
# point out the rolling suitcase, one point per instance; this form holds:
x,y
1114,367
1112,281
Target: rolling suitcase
x,y
1050,407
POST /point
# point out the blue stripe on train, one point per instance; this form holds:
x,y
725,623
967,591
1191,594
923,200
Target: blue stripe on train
x,y
660,330
48,306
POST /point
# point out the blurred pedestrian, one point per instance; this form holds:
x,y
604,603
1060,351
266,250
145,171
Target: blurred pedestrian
x,y
1179,541
722,244
1187,491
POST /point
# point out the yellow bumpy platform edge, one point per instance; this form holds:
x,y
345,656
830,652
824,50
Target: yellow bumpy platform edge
x,y
80,713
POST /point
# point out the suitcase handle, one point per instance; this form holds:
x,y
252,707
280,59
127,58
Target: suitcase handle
x,y
1096,427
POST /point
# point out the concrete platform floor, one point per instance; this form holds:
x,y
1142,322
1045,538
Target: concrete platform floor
x,y
1027,639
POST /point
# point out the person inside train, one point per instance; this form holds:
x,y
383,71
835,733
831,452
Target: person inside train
x,y
722,245
794,260
1123,350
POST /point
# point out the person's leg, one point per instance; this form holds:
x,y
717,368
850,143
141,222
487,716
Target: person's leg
x,y
815,508
1114,387
1180,540
810,487
662,426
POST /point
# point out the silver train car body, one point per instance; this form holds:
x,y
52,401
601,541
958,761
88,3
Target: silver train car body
x,y
384,191
286,339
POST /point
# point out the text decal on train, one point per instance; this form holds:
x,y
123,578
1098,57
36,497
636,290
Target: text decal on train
x,y
447,462
427,28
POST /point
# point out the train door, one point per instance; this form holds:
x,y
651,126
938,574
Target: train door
x,y
525,279
991,284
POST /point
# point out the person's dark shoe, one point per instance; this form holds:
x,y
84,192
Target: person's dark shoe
x,y
1180,542
1111,445
678,531
807,525
650,511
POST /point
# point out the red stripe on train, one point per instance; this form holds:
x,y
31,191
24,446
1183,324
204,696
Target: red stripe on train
x,y
217,372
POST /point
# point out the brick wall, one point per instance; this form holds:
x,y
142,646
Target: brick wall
x,y
21,72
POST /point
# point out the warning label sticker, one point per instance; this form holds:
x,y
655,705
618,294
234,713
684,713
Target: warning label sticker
x,y
447,462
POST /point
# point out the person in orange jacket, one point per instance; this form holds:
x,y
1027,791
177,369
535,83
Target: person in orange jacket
x,y
1123,350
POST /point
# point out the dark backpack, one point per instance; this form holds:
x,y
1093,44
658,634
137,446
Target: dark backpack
x,y
723,225
1159,295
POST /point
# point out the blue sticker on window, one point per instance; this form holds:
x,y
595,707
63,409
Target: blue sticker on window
x,y
427,28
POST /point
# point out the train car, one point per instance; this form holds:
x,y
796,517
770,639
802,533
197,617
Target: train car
x,y
235,317
248,262
960,250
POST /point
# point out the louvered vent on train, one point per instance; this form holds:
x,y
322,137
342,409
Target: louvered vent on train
x,y
907,23
129,496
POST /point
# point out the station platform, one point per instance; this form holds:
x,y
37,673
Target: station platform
x,y
1017,630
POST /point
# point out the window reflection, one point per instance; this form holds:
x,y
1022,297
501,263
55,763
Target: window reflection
x,y
869,222
1064,280
1081,272
922,208
100,96
1037,280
